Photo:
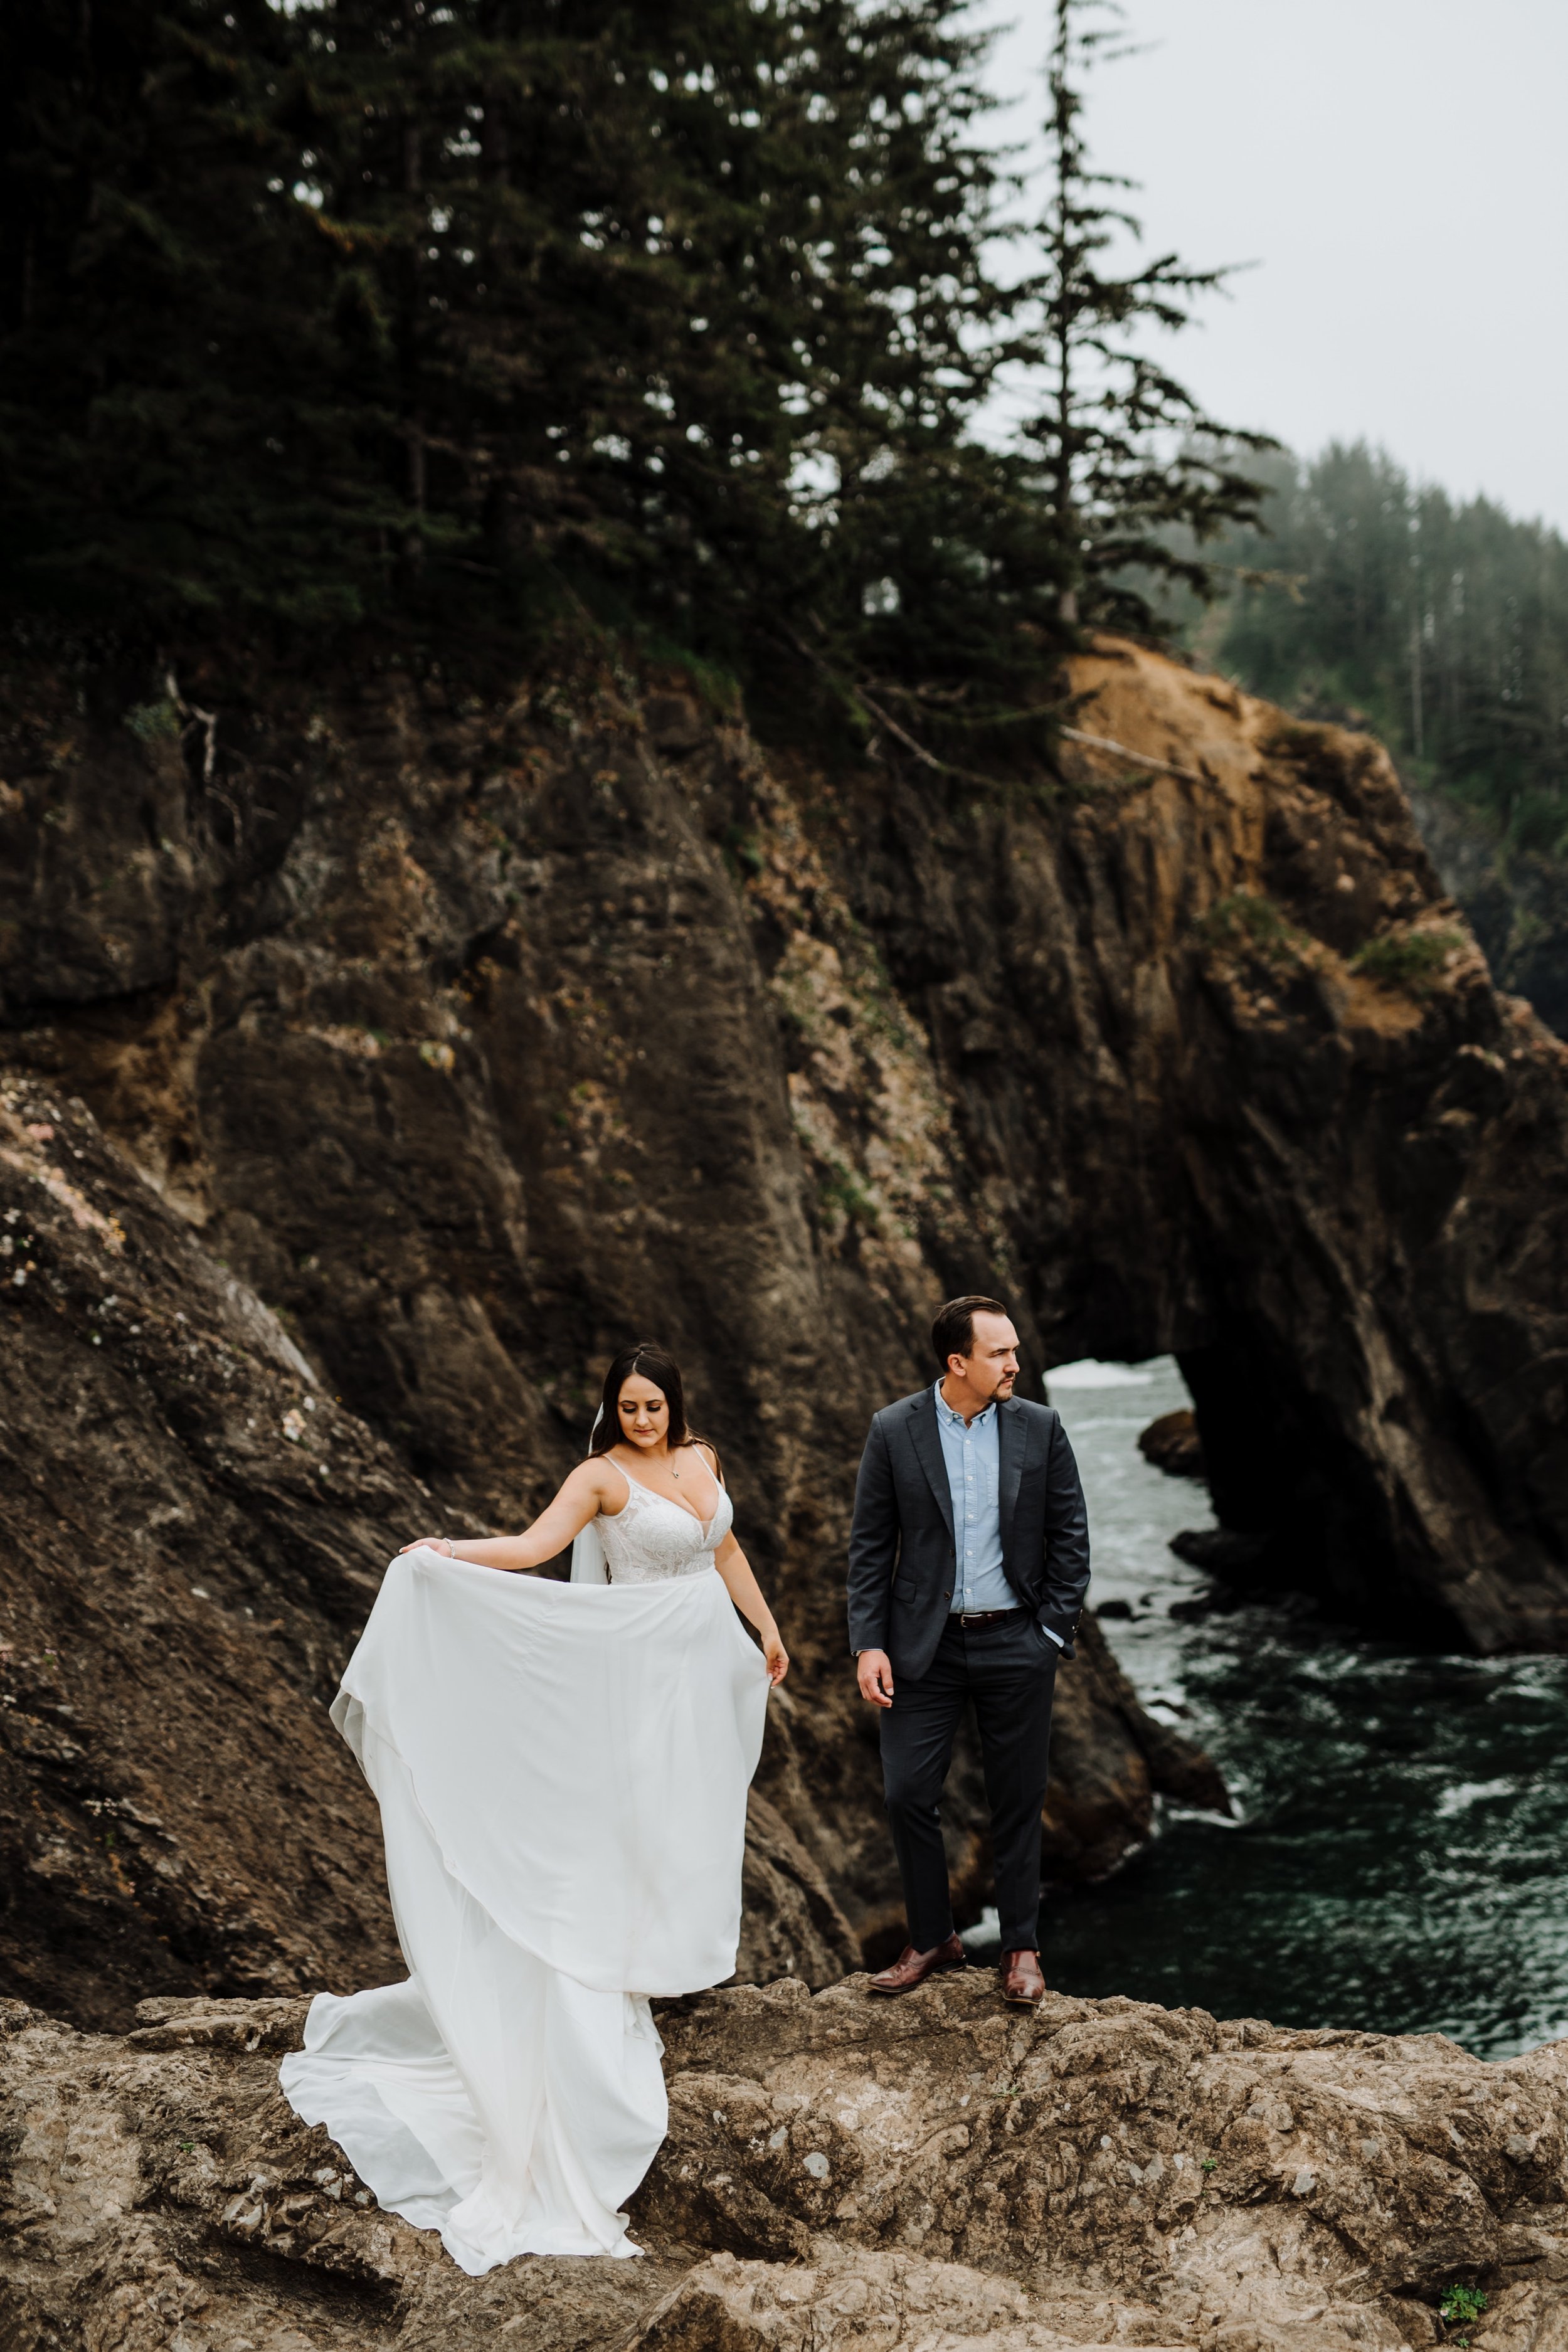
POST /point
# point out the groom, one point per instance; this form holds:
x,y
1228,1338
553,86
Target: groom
x,y
968,1566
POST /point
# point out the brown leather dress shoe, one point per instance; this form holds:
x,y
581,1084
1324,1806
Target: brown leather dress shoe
x,y
912,1968
1022,1983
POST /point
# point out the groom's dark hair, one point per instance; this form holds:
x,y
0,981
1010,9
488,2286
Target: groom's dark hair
x,y
953,1333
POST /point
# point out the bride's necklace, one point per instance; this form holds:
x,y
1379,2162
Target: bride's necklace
x,y
673,1472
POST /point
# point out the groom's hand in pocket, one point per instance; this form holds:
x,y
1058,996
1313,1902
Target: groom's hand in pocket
x,y
874,1672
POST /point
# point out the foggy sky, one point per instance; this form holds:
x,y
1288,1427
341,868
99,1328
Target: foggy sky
x,y
1398,170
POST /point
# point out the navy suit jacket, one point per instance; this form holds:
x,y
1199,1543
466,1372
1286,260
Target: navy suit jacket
x,y
903,1558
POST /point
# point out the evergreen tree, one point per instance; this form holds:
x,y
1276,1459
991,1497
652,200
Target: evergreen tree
x,y
375,304
170,432
1134,476
687,308
463,313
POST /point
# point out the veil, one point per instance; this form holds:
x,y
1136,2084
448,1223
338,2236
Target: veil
x,y
589,1565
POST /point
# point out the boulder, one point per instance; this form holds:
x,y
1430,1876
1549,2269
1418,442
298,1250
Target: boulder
x,y
1172,1445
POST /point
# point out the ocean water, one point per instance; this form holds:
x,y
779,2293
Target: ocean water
x,y
1400,1860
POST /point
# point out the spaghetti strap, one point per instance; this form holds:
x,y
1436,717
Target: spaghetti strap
x,y
602,1512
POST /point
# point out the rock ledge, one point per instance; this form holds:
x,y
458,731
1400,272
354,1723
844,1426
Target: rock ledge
x,y
840,2175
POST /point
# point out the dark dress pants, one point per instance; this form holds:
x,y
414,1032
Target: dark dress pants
x,y
1010,1671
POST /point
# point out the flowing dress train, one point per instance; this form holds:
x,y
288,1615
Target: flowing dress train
x,y
561,1771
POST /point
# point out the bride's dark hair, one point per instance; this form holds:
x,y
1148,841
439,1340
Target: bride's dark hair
x,y
656,1364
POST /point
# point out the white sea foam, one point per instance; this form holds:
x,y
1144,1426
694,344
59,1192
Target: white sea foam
x,y
1466,1793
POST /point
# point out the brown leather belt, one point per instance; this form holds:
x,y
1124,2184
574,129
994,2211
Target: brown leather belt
x,y
972,1619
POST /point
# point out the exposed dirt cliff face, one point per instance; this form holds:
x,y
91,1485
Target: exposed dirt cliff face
x,y
839,2173
473,1039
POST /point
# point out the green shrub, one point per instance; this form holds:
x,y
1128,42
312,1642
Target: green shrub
x,y
1248,920
1408,960
154,722
840,1188
1460,2307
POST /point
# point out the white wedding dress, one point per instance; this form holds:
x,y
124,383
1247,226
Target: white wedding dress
x,y
561,1770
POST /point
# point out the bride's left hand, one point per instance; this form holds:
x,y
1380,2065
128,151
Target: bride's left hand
x,y
778,1658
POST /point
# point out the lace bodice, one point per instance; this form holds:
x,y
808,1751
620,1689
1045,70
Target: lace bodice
x,y
651,1538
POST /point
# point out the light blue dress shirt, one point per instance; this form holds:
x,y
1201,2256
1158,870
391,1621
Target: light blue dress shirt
x,y
971,1455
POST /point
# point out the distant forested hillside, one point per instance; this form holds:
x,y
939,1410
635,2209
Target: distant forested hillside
x,y
1445,627
1446,624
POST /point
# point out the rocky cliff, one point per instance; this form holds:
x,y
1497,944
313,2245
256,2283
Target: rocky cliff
x,y
381,1059
839,2175
1515,899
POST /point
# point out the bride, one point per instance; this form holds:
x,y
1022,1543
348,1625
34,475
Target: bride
x,y
561,1771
